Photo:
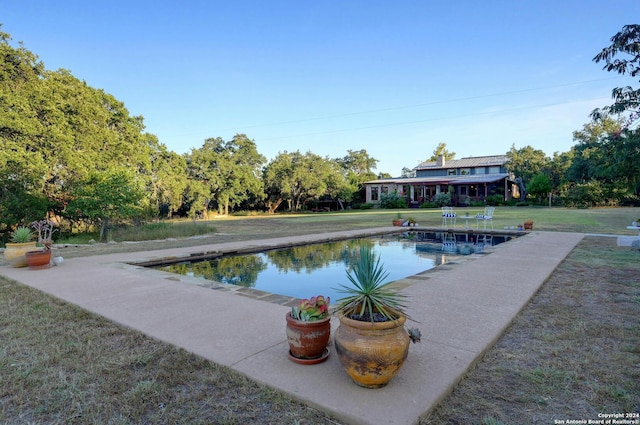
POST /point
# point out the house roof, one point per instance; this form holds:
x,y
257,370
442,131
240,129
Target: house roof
x,y
466,179
470,162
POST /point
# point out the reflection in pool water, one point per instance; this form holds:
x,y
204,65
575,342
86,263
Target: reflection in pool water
x,y
305,271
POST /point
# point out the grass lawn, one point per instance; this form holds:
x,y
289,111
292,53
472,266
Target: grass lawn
x,y
573,352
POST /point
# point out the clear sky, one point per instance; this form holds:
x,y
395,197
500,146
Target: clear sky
x,y
392,77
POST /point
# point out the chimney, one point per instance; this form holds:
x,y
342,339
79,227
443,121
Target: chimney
x,y
440,161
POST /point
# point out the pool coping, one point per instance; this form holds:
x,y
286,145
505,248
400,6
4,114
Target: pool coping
x,y
461,311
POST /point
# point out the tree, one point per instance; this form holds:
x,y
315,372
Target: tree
x,y
357,167
168,181
107,196
407,173
626,99
298,178
539,186
55,131
588,153
615,160
441,150
224,173
526,162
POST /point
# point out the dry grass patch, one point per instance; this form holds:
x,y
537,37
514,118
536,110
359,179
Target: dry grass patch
x,y
572,353
62,365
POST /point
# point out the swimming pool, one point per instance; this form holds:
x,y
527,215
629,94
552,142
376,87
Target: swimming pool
x,y
309,270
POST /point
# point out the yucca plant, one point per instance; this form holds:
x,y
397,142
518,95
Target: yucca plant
x,y
369,298
21,235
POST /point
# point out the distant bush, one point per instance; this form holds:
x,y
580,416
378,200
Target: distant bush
x,y
366,206
584,195
495,200
441,199
428,205
392,200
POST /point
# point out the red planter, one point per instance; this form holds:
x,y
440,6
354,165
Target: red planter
x,y
38,259
308,340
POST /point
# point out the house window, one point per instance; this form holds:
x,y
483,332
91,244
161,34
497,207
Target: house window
x,y
451,172
374,193
494,170
480,170
385,189
465,171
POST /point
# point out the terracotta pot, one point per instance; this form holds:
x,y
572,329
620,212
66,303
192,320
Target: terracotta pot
x,y
398,222
38,259
528,226
14,253
308,340
371,353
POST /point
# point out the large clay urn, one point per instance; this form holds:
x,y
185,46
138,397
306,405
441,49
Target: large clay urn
x,y
308,340
371,353
14,253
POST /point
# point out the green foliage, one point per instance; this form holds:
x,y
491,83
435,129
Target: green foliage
x,y
539,187
428,205
442,199
526,162
107,196
224,174
369,298
296,178
584,195
311,310
392,201
366,206
495,200
21,235
625,42
357,167
441,149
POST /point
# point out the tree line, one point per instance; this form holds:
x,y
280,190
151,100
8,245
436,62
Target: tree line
x,y
73,151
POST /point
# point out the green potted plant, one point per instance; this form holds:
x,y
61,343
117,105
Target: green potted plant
x,y
371,341
308,330
398,221
21,243
42,258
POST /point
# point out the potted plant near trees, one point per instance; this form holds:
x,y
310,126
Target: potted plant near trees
x,y
308,330
42,258
528,224
21,243
371,341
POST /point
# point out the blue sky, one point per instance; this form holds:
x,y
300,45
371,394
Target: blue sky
x,y
392,77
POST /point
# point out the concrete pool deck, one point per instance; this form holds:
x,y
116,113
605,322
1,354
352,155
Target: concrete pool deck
x,y
462,310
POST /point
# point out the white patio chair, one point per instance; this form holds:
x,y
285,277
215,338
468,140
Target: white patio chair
x,y
487,215
448,217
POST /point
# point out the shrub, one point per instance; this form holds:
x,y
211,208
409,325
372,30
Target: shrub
x,y
428,205
392,200
495,200
441,199
366,206
584,195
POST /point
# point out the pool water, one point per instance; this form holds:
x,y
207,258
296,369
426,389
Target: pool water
x,y
318,269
